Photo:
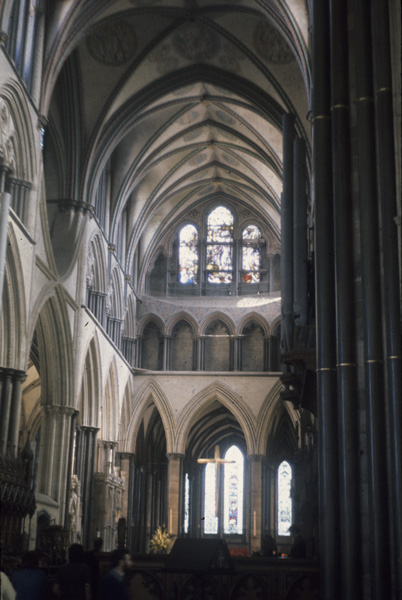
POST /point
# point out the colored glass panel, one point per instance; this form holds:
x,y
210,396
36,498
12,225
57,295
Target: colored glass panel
x,y
186,502
188,254
233,491
284,498
251,254
210,518
220,246
220,225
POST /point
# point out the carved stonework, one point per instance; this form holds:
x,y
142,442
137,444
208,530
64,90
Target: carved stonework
x,y
163,60
196,42
270,44
7,138
113,43
74,511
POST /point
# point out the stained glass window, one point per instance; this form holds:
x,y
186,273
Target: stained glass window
x,y
188,254
186,502
233,492
210,518
284,498
220,246
251,254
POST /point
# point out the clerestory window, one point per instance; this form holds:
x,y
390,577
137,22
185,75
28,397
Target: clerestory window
x,y
220,246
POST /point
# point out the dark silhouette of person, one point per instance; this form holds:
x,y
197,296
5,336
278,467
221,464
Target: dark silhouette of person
x,y
113,585
73,580
298,548
268,546
29,581
92,560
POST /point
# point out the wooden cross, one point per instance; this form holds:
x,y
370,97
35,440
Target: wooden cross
x,y
217,460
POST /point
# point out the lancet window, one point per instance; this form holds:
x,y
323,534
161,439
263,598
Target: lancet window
x,y
223,494
284,487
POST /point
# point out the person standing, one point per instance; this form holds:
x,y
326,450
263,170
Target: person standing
x,y
113,585
92,560
29,581
73,580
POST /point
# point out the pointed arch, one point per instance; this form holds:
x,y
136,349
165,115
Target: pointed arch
x,y
110,406
91,386
253,317
125,415
55,347
217,316
13,313
151,318
150,393
273,409
182,316
96,264
114,302
129,328
216,391
22,135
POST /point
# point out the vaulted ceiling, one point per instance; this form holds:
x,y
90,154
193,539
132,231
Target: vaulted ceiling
x,y
182,100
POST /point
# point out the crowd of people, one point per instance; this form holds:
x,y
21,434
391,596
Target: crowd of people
x,y
77,579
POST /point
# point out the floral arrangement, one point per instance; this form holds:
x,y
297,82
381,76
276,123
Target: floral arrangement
x,y
160,541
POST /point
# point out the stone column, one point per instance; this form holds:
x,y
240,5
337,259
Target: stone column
x,y
371,307
350,575
14,423
287,233
175,495
5,398
325,306
127,473
5,199
271,272
300,304
255,463
85,468
166,360
390,268
54,452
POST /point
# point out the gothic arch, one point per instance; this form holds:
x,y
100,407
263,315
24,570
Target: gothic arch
x,y
181,316
230,400
275,326
267,417
16,117
13,316
129,328
125,414
253,317
217,316
91,386
115,296
54,338
150,392
110,412
151,318
96,265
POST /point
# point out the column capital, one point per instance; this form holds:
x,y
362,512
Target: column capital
x,y
174,455
126,455
88,428
53,409
256,457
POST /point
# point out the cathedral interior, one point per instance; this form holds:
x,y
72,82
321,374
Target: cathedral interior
x,y
200,280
